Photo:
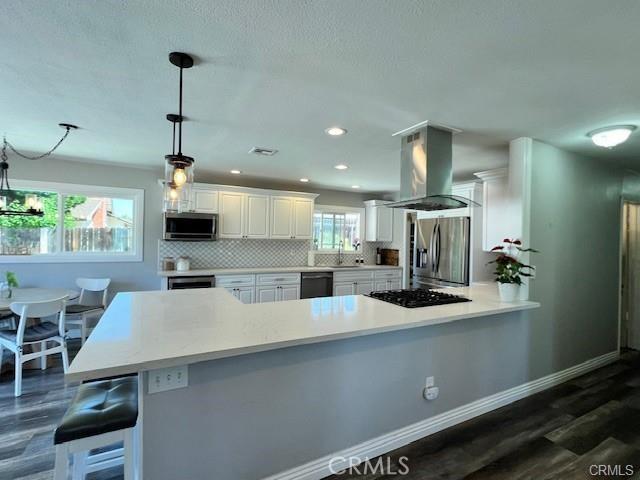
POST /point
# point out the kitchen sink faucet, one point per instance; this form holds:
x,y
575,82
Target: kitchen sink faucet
x,y
340,261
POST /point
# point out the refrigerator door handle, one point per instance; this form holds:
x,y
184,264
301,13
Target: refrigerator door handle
x,y
432,249
438,245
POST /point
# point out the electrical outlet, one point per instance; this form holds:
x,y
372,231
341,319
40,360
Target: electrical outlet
x,y
431,381
164,379
431,393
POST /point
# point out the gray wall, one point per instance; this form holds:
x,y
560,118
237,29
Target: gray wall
x,y
251,416
126,276
575,223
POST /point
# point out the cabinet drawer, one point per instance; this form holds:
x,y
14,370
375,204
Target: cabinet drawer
x,y
353,276
235,280
277,278
395,273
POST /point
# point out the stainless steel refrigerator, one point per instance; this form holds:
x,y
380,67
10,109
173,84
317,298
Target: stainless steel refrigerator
x,y
441,256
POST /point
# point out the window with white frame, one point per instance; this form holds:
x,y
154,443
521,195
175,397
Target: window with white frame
x,y
335,227
80,223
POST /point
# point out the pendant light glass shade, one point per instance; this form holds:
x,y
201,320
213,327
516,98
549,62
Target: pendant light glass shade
x,y
178,180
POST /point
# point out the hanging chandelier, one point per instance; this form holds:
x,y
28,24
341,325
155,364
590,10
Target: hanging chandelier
x,y
32,204
178,177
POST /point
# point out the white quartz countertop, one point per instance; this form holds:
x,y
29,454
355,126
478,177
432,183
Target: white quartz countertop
x,y
251,270
147,330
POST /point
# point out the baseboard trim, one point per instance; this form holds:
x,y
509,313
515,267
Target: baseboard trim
x,y
318,469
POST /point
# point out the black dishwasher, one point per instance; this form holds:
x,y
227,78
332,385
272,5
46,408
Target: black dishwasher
x,y
316,284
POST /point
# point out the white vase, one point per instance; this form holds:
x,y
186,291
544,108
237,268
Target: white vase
x,y
509,292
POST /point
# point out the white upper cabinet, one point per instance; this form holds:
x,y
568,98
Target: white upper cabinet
x,y
291,217
281,217
231,215
496,207
205,200
302,218
256,216
378,222
256,213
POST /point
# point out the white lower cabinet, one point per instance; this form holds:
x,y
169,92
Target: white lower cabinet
x,y
277,287
245,294
343,288
363,288
388,279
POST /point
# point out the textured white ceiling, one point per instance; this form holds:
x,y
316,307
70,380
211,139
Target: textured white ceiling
x,y
277,73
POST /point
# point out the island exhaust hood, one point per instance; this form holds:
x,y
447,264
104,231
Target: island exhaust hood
x,y
426,169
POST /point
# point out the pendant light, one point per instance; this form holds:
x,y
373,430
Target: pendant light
x,y
178,178
33,205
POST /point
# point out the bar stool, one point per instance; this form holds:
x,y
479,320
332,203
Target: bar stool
x,y
102,413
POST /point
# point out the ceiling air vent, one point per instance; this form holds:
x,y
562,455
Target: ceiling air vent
x,y
269,152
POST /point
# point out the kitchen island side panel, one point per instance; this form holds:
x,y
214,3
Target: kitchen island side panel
x,y
252,416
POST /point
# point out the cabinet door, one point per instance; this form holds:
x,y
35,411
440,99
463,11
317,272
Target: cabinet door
x,y
302,218
382,285
289,292
384,224
205,201
363,288
281,217
267,294
245,294
257,216
394,284
340,289
231,214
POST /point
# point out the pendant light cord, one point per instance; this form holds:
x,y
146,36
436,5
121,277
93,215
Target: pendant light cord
x,y
37,157
180,113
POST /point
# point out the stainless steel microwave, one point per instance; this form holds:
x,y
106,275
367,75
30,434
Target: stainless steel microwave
x,y
191,226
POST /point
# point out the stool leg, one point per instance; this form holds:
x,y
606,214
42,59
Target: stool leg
x,y
83,330
18,369
43,358
65,357
79,462
61,471
129,452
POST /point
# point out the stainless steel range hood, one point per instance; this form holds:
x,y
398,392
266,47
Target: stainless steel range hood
x,y
426,170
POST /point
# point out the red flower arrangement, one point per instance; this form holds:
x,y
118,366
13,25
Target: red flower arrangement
x,y
508,268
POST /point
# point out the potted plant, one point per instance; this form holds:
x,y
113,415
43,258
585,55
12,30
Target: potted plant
x,y
6,287
510,270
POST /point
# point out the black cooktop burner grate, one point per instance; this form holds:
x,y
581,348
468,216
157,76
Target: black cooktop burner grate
x,y
417,298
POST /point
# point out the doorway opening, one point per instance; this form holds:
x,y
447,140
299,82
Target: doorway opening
x,y
630,277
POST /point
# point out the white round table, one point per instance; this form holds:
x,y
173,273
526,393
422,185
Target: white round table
x,y
36,295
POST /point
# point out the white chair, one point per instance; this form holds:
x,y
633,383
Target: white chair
x,y
41,333
77,314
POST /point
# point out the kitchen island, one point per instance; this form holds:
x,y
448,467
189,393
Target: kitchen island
x,y
277,385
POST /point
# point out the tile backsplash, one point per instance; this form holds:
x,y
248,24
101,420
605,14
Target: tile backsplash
x,y
242,253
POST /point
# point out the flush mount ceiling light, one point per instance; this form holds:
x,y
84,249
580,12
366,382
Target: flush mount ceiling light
x,y
235,172
178,167
609,137
355,186
304,180
335,131
33,205
341,167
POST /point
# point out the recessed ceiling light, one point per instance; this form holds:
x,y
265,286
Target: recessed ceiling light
x,y
355,186
340,167
335,131
235,172
304,180
609,137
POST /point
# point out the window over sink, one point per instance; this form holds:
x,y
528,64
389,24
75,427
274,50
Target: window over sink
x,y
81,223
333,225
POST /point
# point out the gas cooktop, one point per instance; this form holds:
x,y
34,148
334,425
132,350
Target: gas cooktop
x,y
417,298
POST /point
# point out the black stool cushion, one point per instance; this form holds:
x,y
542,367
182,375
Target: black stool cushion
x,y
100,407
35,333
77,308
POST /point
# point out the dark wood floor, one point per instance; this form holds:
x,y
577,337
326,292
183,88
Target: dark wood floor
x,y
556,434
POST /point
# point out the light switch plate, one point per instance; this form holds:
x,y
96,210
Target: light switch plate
x,y
164,379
